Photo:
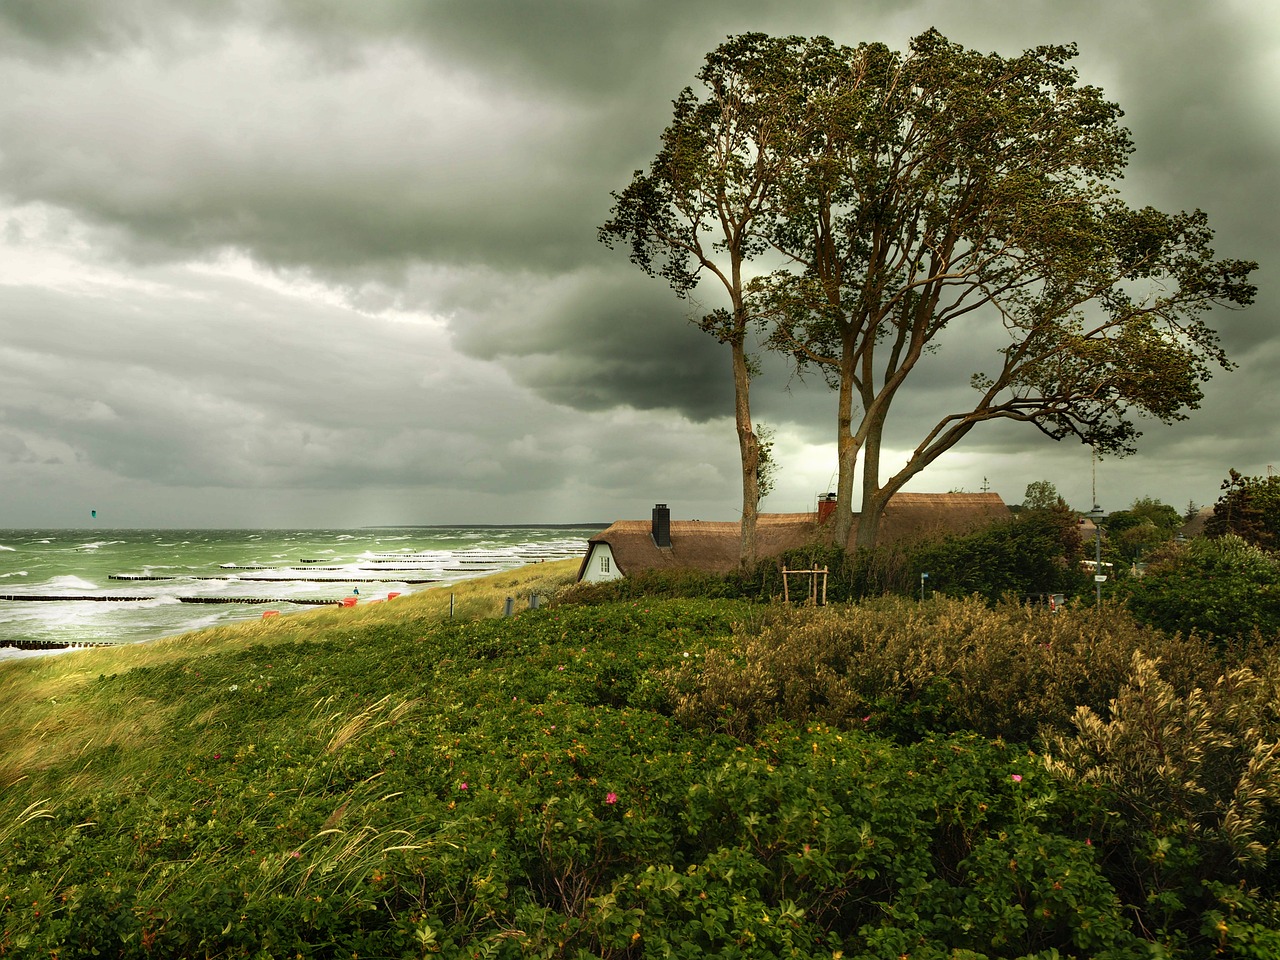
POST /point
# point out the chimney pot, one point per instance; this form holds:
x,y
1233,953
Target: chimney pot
x,y
661,525
826,507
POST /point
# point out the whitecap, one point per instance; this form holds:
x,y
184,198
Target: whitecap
x,y
68,583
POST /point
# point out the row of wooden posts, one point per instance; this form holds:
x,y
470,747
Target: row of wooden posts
x,y
817,585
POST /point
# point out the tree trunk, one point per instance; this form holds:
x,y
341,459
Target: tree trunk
x,y
750,449
873,498
846,460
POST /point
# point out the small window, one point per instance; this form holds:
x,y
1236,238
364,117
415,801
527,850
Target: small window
x,y
604,563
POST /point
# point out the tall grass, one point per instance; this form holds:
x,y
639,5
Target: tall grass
x,y
53,710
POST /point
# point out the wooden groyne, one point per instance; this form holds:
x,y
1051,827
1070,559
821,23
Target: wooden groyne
x,y
144,578
59,598
54,644
50,598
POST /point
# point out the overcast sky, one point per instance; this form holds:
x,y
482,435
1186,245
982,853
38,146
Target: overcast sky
x,y
326,263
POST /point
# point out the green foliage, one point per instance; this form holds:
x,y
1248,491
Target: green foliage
x,y
1250,509
1142,512
549,786
1225,587
906,670
656,584
1036,552
1134,533
1194,780
1042,495
767,465
851,575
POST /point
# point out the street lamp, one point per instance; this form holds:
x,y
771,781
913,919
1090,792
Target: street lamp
x,y
1096,515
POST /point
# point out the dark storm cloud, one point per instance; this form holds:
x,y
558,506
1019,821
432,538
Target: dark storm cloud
x,y
229,151
451,160
599,339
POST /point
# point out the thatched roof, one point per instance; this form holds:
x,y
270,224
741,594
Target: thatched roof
x,y
712,546
1195,526
920,516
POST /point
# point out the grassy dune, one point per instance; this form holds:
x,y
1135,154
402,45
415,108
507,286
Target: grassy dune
x,y
49,716
633,777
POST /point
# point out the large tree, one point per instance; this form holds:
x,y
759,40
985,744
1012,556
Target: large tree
x,y
708,204
944,191
1249,508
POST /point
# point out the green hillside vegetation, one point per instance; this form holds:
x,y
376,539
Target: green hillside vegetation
x,y
633,776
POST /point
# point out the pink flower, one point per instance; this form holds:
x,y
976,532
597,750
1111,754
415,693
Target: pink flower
x,y
610,797
1017,778
462,786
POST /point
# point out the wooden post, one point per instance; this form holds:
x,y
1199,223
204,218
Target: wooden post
x,y
813,575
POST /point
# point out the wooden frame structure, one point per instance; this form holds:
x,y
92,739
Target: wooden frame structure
x,y
818,573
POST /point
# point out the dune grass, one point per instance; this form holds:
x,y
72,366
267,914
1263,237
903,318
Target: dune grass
x,y
50,714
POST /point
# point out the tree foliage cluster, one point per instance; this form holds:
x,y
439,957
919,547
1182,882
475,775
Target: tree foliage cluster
x,y
1223,586
1248,508
862,206
1134,533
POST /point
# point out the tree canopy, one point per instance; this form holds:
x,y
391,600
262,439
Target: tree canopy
x,y
1135,532
905,197
1042,495
1248,508
709,203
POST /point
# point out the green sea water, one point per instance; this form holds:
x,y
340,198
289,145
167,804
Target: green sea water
x,y
123,586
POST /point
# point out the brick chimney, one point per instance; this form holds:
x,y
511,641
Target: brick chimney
x,y
661,525
826,507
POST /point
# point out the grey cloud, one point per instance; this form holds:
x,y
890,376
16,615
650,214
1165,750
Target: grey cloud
x,y
452,160
235,152
599,339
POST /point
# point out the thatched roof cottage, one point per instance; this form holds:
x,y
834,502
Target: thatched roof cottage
x,y
628,547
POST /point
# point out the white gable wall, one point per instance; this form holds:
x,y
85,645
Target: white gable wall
x,y
600,564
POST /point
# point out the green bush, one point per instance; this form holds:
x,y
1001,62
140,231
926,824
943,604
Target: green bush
x,y
1037,552
906,669
1192,781
1224,586
560,784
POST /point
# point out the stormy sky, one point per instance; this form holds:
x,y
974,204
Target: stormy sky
x,y
322,263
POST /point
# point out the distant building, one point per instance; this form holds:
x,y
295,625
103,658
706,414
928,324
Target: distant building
x,y
1195,526
628,547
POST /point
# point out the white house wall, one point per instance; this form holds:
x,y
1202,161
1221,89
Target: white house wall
x,y
600,565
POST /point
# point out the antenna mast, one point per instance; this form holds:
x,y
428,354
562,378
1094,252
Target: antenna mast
x,y
1094,451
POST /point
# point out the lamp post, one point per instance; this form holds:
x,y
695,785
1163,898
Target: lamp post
x,y
923,578
1096,515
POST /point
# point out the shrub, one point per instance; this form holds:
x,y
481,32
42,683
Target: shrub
x,y
516,787
1192,782
907,669
663,584
1224,586
1036,552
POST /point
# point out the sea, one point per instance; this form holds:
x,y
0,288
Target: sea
x,y
63,589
